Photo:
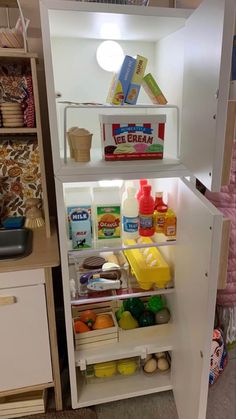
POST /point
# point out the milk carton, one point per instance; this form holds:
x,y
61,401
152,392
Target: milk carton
x,y
80,219
78,210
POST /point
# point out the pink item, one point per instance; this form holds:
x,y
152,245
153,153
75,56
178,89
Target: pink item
x,y
225,201
29,112
141,148
142,182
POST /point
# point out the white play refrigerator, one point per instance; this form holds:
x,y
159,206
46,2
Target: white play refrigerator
x,y
189,53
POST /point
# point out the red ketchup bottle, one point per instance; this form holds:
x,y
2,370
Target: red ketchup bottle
x,y
146,210
142,182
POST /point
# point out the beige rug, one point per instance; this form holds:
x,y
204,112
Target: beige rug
x,y
66,414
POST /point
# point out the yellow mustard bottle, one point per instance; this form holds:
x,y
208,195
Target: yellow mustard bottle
x,y
170,223
160,211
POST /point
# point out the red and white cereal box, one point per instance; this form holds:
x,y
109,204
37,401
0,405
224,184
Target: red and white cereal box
x,y
132,137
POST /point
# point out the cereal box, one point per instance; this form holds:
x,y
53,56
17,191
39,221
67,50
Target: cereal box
x,y
120,83
136,81
129,137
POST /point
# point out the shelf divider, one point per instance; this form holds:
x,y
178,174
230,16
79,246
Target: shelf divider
x,y
129,345
120,246
23,130
124,293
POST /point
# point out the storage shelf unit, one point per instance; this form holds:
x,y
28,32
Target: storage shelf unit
x,y
30,59
18,130
202,128
30,276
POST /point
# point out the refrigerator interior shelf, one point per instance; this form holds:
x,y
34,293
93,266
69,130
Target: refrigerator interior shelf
x,y
146,342
121,389
145,107
116,245
121,294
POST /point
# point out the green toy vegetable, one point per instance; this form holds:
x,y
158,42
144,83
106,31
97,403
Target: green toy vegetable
x,y
119,312
135,306
147,318
156,303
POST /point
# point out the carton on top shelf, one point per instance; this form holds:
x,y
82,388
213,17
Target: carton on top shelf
x,y
132,137
136,81
121,81
153,90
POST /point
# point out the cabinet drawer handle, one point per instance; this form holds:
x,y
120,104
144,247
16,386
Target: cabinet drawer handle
x,y
7,299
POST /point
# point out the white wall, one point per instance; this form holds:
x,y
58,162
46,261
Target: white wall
x,y
75,68
79,69
169,62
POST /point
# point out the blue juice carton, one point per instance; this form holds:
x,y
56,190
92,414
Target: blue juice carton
x,y
121,81
81,227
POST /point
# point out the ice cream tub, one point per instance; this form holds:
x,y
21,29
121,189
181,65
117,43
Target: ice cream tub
x,y
130,137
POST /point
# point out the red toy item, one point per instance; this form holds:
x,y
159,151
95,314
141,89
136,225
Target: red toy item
x,y
142,182
146,210
159,203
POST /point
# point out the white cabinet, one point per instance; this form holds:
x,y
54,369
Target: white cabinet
x,y
189,53
25,349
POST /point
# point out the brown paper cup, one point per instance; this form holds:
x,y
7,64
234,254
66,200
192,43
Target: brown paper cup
x,y
81,145
69,141
82,155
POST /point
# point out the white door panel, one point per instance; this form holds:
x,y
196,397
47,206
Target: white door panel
x,y
207,64
196,270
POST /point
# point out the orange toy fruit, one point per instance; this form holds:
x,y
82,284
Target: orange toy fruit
x,y
88,317
80,327
103,321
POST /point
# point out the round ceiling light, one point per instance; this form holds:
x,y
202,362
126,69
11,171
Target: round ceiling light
x,y
110,55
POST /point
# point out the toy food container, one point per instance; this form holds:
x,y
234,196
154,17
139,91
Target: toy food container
x,y
128,366
112,370
105,369
148,265
130,137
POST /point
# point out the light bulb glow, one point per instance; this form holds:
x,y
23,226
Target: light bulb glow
x,y
110,56
110,31
110,183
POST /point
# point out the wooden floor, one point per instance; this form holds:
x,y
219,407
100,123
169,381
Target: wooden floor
x,y
67,414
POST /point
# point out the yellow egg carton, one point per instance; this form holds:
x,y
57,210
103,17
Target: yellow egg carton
x,y
148,264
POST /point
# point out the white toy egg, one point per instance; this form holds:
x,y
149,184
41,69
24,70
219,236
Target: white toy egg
x,y
160,355
163,364
150,366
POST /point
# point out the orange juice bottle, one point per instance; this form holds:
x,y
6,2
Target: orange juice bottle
x,y
160,213
170,223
